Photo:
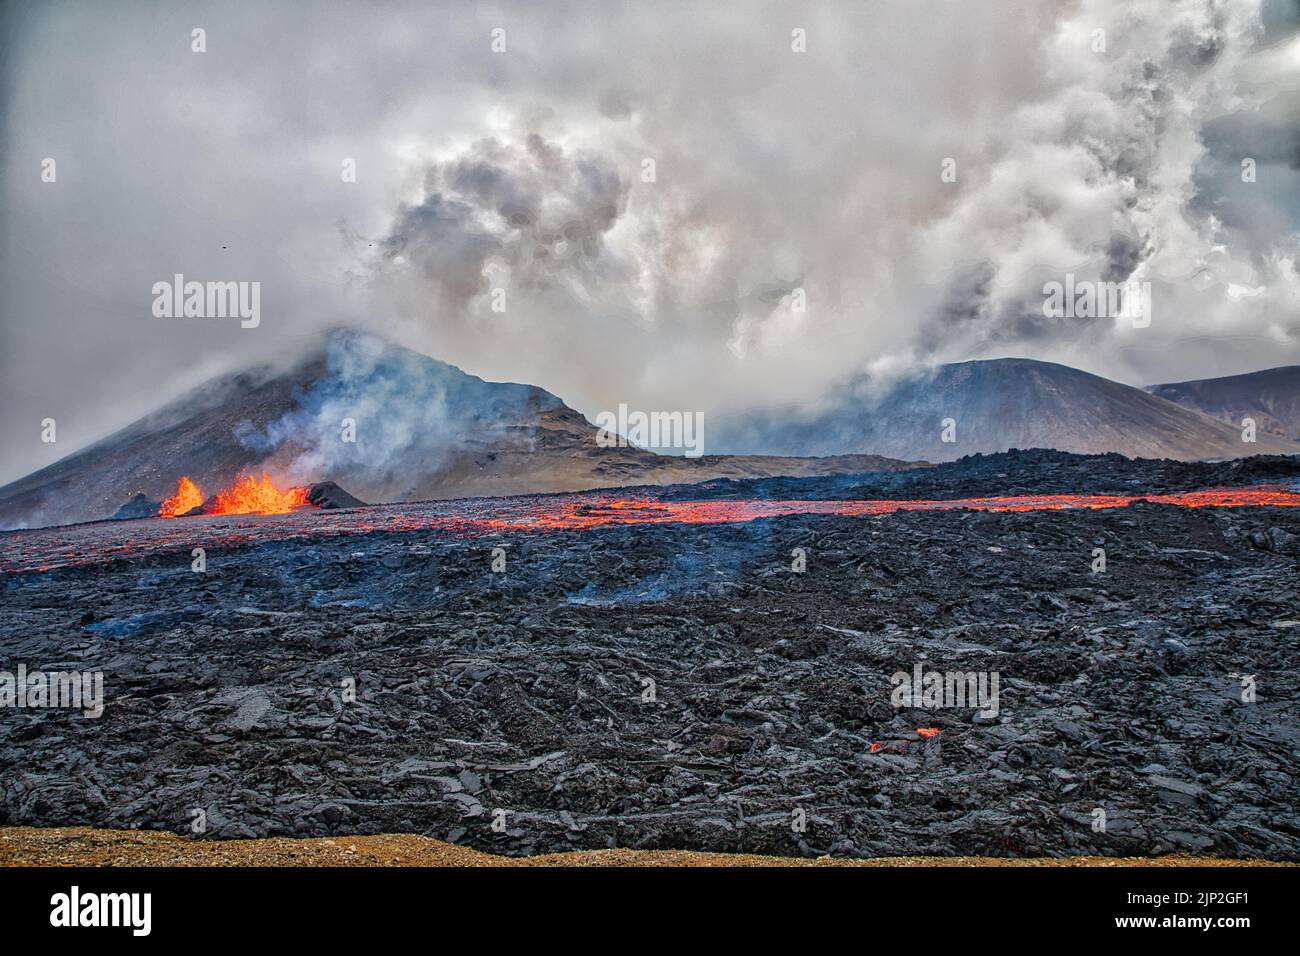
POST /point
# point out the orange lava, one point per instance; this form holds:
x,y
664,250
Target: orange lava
x,y
247,496
581,512
44,549
186,498
897,747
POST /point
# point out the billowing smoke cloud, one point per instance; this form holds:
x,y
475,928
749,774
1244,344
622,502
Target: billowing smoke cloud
x,y
652,194
387,420
527,219
1111,172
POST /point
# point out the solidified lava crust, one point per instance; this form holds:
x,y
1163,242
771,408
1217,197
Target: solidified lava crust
x,y
527,690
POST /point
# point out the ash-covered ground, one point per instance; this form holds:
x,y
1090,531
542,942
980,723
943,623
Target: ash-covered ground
x,y
683,686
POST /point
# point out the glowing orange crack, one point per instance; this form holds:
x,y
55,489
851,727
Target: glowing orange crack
x,y
926,732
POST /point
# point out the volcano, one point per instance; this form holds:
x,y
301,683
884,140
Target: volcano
x,y
1271,397
383,422
1000,404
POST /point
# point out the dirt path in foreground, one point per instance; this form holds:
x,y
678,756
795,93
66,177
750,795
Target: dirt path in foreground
x,y
84,846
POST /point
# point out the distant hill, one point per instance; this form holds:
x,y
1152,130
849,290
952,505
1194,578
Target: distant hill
x,y
1271,397
423,429
1000,404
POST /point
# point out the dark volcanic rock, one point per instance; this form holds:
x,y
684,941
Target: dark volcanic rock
x,y
326,494
138,507
682,685
1035,471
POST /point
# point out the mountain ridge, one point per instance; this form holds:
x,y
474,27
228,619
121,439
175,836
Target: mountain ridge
x,y
424,429
1270,396
995,405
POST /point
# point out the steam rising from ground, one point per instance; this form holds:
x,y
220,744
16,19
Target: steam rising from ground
x,y
522,171
383,418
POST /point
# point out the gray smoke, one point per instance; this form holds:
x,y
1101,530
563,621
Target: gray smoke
x,y
778,174
529,213
382,418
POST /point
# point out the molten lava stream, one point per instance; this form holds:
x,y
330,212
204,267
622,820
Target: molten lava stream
x,y
246,496
187,497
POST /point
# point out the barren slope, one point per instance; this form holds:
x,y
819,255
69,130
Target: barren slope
x,y
1271,397
423,430
1000,404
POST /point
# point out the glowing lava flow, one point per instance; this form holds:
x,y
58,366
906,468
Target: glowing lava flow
x,y
587,511
247,496
925,733
187,497
42,549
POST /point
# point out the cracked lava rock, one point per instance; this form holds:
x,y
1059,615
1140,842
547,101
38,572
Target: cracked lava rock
x,y
678,685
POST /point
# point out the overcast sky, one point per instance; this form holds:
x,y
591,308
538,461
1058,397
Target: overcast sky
x,y
522,170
